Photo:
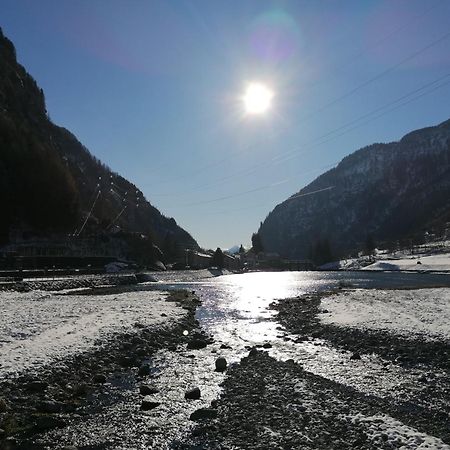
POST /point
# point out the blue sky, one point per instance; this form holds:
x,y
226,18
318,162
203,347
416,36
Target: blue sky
x,y
154,90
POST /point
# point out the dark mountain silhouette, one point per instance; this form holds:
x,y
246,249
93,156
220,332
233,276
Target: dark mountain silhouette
x,y
49,181
384,191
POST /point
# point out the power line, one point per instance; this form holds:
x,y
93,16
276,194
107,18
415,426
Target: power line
x,y
238,194
357,88
319,140
89,214
332,138
377,77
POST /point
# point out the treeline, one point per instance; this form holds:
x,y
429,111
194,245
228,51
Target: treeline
x,y
36,190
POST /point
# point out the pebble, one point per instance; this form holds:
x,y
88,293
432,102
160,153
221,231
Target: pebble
x,y
144,370
148,404
50,407
221,364
99,378
203,413
196,344
145,389
192,394
3,405
37,386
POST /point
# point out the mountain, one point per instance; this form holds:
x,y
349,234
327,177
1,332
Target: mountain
x,y
50,185
382,192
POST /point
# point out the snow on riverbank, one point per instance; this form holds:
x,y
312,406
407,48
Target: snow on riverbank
x,y
38,328
431,257
421,263
383,429
424,312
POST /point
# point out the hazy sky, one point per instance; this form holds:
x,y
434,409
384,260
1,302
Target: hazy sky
x,y
154,89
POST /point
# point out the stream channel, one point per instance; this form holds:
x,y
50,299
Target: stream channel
x,y
234,311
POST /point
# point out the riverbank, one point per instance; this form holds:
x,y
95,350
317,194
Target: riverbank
x,y
274,404
377,387
312,380
58,371
68,282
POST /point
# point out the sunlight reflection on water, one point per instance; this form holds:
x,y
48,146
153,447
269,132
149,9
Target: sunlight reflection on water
x,y
235,311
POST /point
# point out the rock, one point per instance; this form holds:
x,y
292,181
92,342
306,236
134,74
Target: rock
x,y
253,352
192,394
355,356
37,386
203,413
145,278
50,407
48,422
126,361
225,347
267,345
144,370
197,344
80,389
3,405
141,351
99,378
145,389
148,404
221,364
422,379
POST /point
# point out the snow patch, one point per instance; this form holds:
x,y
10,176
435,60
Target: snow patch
x,y
383,429
424,312
38,328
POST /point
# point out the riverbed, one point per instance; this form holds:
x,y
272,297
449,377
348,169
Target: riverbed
x,y
236,312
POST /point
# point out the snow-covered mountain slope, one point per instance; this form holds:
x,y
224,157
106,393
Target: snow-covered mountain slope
x,y
389,191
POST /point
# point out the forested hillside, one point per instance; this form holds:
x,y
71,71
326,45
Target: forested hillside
x,y
50,183
382,193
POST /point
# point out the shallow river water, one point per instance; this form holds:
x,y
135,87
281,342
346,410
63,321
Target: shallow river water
x,y
235,313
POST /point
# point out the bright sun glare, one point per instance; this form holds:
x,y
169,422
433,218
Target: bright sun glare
x,y
257,98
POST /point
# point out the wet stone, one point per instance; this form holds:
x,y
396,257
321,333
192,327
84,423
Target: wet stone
x,y
126,361
197,344
145,389
203,413
192,394
50,407
148,404
48,422
221,364
80,389
99,378
144,370
37,386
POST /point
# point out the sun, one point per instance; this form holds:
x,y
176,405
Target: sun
x,y
257,98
